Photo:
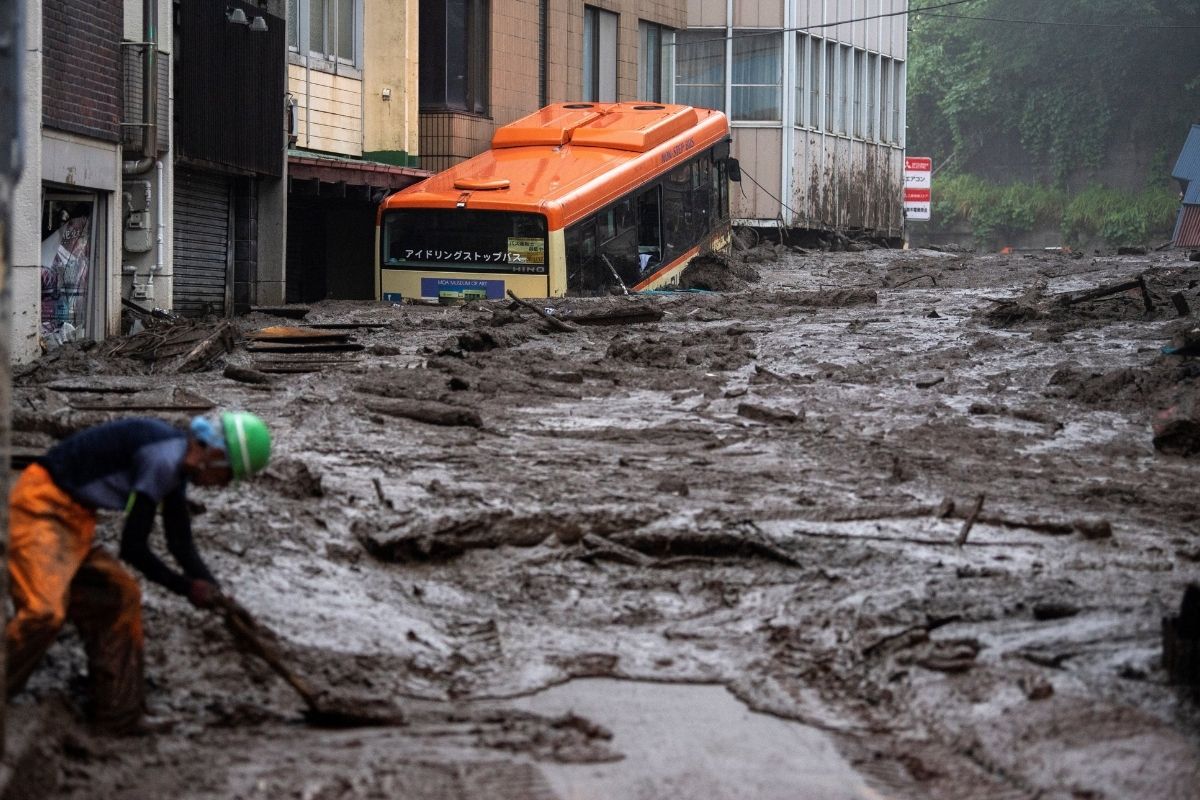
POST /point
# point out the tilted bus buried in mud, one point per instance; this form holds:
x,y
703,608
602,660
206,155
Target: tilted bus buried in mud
x,y
577,198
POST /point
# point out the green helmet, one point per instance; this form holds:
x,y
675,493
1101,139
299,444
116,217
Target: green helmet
x,y
247,443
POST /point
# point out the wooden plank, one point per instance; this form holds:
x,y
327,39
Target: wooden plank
x,y
346,347
294,335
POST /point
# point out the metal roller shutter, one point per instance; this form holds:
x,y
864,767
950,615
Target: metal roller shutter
x,y
203,246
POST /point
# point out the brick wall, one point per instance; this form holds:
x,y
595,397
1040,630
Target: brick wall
x,y
81,77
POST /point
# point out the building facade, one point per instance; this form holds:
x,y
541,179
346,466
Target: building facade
x,y
814,89
137,190
352,72
815,94
485,63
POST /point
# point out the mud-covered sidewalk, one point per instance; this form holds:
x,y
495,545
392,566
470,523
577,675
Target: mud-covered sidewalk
x,y
906,504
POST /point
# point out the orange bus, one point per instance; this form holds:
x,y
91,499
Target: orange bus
x,y
574,199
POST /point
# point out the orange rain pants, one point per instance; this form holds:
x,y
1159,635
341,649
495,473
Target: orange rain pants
x,y
56,574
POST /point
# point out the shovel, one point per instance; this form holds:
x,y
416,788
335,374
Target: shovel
x,y
322,710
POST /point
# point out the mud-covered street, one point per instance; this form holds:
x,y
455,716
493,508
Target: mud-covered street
x,y
725,528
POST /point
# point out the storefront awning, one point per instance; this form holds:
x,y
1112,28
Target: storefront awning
x,y
317,175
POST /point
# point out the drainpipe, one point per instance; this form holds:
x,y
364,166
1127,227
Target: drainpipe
x,y
149,93
543,82
159,225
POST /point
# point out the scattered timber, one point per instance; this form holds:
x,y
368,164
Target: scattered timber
x,y
427,411
966,528
334,347
632,315
554,322
283,333
245,374
289,312
1100,292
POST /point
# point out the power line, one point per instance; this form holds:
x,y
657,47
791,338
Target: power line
x,y
1128,26
744,34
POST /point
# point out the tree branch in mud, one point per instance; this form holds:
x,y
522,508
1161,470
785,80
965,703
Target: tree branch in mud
x,y
554,322
913,280
966,528
426,411
601,547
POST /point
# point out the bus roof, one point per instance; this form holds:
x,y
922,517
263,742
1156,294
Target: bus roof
x,y
570,159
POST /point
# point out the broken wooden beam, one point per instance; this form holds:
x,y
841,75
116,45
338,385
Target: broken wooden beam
x,y
430,412
554,322
245,374
280,347
216,343
1100,292
970,521
620,316
290,335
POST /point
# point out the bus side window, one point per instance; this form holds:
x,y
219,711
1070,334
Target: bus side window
x,y
721,189
649,229
703,198
618,242
586,273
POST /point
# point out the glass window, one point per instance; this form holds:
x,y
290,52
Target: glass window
x,y
700,68
757,76
872,84
293,24
656,53
454,46
815,48
830,85
897,102
885,99
800,65
599,55
845,88
859,91
463,240
345,30
332,31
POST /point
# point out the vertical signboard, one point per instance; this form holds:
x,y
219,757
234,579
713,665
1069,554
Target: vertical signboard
x,y
918,180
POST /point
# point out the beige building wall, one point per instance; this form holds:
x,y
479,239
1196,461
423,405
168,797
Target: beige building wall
x,y
450,137
329,110
389,85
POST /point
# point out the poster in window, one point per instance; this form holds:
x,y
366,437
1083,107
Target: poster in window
x,y
526,251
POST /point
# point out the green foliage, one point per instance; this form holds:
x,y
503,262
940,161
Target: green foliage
x,y
1063,95
994,211
998,212
1118,217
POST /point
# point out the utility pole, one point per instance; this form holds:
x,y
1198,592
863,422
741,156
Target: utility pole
x,y
11,46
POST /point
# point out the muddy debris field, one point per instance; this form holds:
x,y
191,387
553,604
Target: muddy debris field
x,y
924,511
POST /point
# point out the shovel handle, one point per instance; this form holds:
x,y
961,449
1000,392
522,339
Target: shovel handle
x,y
245,632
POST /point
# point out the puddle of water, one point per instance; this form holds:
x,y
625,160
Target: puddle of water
x,y
687,741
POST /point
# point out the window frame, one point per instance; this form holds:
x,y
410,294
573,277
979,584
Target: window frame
x,y
475,48
656,65
597,23
683,90
776,37
299,37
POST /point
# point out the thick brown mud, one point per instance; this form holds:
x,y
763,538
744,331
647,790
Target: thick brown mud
x,y
762,489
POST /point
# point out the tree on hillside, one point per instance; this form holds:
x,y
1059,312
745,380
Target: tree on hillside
x,y
1064,87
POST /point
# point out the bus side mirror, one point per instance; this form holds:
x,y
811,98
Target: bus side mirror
x,y
733,169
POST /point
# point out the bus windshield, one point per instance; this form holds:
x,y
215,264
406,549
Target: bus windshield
x,y
464,240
